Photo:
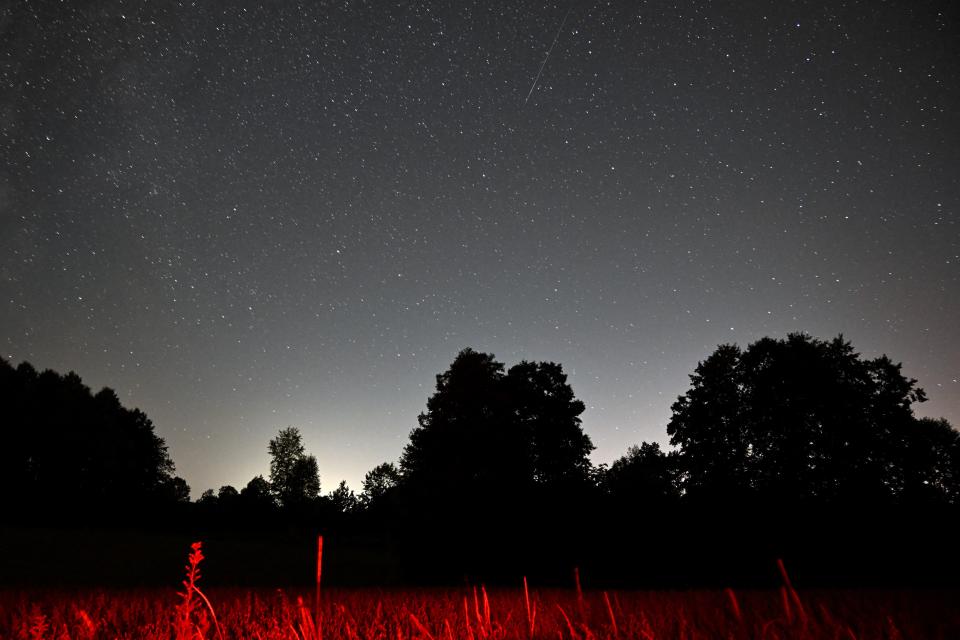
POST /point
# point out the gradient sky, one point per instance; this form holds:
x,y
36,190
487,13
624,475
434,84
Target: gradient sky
x,y
246,218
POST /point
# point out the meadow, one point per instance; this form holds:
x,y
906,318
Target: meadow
x,y
474,613
481,615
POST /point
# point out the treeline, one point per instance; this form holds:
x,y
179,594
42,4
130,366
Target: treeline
x,y
796,447
67,452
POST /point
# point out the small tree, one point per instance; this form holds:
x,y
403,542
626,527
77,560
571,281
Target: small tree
x,y
644,476
379,481
227,492
929,456
343,499
257,495
176,490
294,477
228,497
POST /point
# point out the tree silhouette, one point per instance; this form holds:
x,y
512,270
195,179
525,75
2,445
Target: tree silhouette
x,y
256,495
68,448
487,433
503,456
460,438
705,425
644,477
227,493
801,419
929,456
544,411
175,490
343,499
379,481
294,476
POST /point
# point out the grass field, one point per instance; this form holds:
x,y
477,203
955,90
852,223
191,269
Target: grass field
x,y
473,613
469,615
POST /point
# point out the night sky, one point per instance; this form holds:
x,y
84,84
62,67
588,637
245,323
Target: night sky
x,y
246,218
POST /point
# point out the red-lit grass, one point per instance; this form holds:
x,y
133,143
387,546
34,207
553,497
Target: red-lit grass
x,y
476,614
531,611
190,620
445,615
317,617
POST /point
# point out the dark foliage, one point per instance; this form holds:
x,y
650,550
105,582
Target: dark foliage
x,y
487,434
494,470
256,495
795,448
806,420
926,463
69,451
343,500
379,482
294,476
645,476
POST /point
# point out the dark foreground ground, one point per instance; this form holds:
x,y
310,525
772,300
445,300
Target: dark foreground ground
x,y
714,555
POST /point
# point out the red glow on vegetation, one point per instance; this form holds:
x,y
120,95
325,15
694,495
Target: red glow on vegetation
x,y
475,614
316,597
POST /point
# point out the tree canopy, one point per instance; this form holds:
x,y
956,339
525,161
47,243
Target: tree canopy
x,y
493,432
807,419
294,476
66,446
644,476
379,481
780,441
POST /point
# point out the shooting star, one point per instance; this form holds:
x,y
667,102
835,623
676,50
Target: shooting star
x,y
547,57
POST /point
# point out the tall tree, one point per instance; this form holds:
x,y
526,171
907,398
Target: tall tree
x,y
544,411
706,426
496,434
496,453
457,443
294,476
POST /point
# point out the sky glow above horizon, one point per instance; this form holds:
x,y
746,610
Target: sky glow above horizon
x,y
243,218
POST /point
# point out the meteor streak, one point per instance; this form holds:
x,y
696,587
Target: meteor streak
x,y
547,57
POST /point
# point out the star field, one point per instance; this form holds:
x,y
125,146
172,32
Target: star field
x,y
249,217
